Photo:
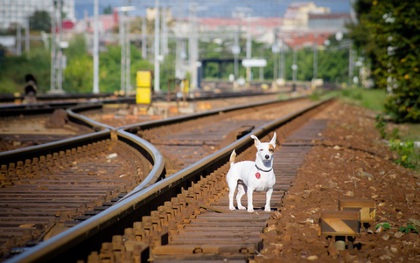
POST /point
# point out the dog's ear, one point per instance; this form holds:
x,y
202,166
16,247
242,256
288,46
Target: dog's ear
x,y
273,140
256,141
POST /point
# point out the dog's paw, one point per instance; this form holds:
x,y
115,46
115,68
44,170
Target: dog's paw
x,y
241,207
267,209
250,210
232,208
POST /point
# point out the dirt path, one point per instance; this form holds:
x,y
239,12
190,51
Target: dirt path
x,y
351,162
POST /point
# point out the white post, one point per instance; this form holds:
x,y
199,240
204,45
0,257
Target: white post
x,y
350,64
157,32
294,66
193,45
144,38
96,48
27,35
19,40
53,47
122,44
128,57
315,74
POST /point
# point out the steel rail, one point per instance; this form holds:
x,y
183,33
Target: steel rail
x,y
74,116
140,201
133,128
103,131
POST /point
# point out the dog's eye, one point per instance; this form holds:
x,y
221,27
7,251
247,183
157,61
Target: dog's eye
x,y
271,150
261,150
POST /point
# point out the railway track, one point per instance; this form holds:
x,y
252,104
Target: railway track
x,y
48,188
174,205
54,173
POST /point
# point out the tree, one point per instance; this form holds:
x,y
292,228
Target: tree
x,y
388,32
40,20
108,10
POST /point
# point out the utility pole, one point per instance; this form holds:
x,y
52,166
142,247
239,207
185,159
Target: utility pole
x,y
294,66
144,38
56,52
96,48
282,61
19,40
157,32
315,47
122,45
236,49
27,35
128,57
164,38
275,49
193,44
350,63
125,48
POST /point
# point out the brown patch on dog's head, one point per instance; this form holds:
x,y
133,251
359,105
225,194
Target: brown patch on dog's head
x,y
271,148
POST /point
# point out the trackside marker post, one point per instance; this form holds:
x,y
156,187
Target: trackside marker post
x,y
144,87
366,208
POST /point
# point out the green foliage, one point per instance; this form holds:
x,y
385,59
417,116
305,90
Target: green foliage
x,y
40,21
110,68
408,155
78,75
409,228
381,125
107,10
369,98
388,34
13,70
384,225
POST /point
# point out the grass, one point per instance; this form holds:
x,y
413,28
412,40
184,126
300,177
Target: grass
x,y
372,99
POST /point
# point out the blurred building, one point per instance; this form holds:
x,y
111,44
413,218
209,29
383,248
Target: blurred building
x,y
303,24
17,12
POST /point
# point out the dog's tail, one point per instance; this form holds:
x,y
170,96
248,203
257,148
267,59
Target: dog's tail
x,y
232,157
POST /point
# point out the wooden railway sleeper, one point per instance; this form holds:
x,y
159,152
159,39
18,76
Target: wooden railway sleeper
x,y
28,168
35,166
14,171
19,169
155,233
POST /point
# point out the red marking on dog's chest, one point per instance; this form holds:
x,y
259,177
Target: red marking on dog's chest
x,y
258,175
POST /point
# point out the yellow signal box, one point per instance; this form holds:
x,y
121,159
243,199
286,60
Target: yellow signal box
x,y
144,87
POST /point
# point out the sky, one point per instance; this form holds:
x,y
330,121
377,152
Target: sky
x,y
214,8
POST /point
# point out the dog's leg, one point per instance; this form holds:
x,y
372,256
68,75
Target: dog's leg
x,y
241,192
250,192
268,200
231,194
232,187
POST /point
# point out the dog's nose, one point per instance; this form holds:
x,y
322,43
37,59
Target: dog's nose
x,y
267,156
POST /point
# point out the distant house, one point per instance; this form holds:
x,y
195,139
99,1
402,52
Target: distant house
x,y
108,28
328,22
107,23
297,14
261,29
300,40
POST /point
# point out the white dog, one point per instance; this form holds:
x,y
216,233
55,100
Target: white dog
x,y
255,176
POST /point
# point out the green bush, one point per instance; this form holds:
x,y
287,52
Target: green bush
x,y
387,33
408,155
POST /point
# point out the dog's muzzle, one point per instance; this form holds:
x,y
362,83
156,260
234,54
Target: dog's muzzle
x,y
267,157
